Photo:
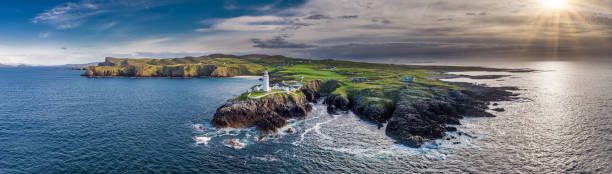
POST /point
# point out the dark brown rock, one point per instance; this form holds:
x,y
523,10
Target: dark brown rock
x,y
413,123
271,113
338,101
290,131
372,108
267,115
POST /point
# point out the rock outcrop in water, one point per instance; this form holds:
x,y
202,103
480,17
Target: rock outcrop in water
x,y
269,114
413,123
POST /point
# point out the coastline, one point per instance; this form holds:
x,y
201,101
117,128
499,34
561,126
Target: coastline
x,y
409,123
412,101
246,77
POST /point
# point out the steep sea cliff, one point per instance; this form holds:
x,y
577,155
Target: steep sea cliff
x,y
188,67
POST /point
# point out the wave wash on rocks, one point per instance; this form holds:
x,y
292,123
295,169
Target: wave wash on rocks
x,y
412,117
270,113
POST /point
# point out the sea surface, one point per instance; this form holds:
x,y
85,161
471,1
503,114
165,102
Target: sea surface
x,y
55,121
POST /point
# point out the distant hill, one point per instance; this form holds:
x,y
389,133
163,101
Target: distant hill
x,y
19,65
214,65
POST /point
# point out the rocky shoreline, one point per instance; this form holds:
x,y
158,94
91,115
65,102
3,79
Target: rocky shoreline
x,y
411,119
413,123
412,112
269,114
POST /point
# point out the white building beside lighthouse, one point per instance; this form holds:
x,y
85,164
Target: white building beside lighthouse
x,y
266,82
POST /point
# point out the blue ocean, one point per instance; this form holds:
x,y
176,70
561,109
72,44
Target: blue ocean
x,y
54,121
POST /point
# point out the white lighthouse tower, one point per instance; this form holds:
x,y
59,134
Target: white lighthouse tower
x,y
266,82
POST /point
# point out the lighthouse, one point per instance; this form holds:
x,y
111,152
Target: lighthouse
x,y
266,82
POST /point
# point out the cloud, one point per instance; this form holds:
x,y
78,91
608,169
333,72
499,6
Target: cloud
x,y
278,42
108,25
46,55
230,5
233,5
350,29
317,17
44,35
381,20
442,28
432,29
409,50
445,19
267,6
72,14
248,23
149,42
349,17
474,14
68,15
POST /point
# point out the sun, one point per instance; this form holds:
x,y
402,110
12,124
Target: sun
x,y
553,4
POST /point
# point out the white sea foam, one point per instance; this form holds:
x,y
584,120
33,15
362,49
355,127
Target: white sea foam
x,y
202,140
315,128
198,127
234,143
267,158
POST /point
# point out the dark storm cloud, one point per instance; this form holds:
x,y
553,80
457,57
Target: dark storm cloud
x,y
317,17
598,19
438,31
381,20
445,19
474,14
278,42
502,20
386,50
349,17
460,49
294,24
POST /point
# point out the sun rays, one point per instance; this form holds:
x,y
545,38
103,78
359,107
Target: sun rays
x,y
553,4
560,26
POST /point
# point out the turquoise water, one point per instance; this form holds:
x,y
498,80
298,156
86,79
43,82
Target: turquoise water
x,y
55,121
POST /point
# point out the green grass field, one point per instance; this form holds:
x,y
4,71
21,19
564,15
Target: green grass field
x,y
382,79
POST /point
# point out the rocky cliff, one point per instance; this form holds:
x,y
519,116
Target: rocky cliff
x,y
178,67
414,122
412,118
268,114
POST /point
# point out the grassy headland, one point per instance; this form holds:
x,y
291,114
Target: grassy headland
x,y
382,79
415,111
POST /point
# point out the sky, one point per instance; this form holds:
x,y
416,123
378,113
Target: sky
x,y
54,32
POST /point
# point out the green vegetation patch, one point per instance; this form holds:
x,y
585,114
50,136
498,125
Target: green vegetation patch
x,y
344,78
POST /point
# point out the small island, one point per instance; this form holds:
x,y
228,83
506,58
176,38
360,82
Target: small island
x,y
408,101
